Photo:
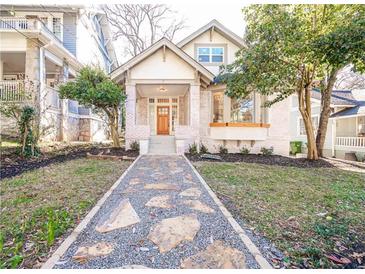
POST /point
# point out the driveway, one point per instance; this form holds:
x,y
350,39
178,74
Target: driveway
x,y
160,214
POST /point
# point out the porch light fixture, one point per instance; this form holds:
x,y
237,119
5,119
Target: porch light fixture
x,y
162,89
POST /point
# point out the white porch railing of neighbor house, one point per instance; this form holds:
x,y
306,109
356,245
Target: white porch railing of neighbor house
x,y
13,91
20,23
350,142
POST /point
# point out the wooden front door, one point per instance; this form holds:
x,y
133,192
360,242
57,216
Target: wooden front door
x,y
163,120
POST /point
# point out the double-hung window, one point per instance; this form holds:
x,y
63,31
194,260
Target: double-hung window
x,y
210,54
315,121
57,29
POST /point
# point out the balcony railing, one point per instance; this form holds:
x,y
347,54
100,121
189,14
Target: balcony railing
x,y
19,23
350,142
13,91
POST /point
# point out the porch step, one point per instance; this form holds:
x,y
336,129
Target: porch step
x,y
162,145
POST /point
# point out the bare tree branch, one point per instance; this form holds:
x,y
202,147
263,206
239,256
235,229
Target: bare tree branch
x,y
348,79
142,25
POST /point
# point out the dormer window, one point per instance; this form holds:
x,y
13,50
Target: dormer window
x,y
211,55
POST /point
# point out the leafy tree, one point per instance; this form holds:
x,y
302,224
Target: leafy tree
x,y
338,49
281,56
92,87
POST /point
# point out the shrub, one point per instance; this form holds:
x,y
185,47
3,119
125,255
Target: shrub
x,y
203,149
27,140
134,146
193,149
244,150
267,151
223,150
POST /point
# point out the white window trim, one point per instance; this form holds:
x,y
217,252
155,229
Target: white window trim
x,y
301,118
211,54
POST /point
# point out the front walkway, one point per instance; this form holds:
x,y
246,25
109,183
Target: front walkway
x,y
160,215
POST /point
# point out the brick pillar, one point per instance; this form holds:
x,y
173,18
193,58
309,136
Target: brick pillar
x,y
130,113
195,111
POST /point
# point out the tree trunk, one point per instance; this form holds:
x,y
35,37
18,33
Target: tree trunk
x,y
325,111
304,100
113,124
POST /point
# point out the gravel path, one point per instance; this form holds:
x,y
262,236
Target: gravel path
x,y
205,231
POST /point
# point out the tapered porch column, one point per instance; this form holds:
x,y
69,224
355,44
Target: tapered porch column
x,y
195,111
130,113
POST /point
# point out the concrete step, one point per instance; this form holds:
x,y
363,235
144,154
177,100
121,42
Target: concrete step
x,y
162,145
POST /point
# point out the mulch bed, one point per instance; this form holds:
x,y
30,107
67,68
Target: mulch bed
x,y
12,164
265,160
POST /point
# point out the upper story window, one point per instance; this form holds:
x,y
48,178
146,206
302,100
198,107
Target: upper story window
x,y
210,54
57,29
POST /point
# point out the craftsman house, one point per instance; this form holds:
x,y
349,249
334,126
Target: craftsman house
x,y
175,100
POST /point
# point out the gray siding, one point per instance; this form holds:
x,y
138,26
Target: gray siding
x,y
69,32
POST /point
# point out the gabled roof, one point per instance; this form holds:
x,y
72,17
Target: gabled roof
x,y
338,98
234,38
152,49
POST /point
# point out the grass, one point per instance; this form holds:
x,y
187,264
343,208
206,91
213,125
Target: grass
x,y
307,213
40,207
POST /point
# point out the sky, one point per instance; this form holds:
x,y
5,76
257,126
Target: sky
x,y
197,15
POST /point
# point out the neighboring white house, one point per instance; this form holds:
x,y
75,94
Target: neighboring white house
x,y
43,45
171,90
346,128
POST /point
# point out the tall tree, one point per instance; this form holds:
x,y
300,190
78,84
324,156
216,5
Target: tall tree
x,y
143,24
343,46
93,88
280,57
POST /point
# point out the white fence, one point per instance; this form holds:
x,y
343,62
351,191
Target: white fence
x,y
350,141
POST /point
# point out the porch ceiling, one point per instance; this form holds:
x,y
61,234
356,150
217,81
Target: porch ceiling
x,y
14,62
153,90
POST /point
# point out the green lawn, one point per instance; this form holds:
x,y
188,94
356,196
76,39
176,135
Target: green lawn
x,y
307,213
40,207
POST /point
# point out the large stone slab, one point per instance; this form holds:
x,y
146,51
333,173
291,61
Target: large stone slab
x,y
191,192
122,216
216,256
85,253
162,201
197,205
168,233
161,186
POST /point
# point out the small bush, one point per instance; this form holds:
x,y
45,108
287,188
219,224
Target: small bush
x,y
223,150
244,150
134,146
267,151
193,149
203,149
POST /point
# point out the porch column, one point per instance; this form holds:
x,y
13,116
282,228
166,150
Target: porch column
x,y
195,112
32,68
130,112
334,124
64,74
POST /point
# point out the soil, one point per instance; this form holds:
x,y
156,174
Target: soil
x,y
264,159
12,164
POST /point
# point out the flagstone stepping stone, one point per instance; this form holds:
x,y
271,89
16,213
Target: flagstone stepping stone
x,y
216,256
162,201
122,216
135,181
197,205
191,192
161,186
168,233
84,253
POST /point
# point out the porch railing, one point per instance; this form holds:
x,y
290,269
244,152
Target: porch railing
x,y
20,23
350,141
13,91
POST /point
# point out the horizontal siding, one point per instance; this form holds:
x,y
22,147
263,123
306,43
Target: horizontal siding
x,y
69,32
